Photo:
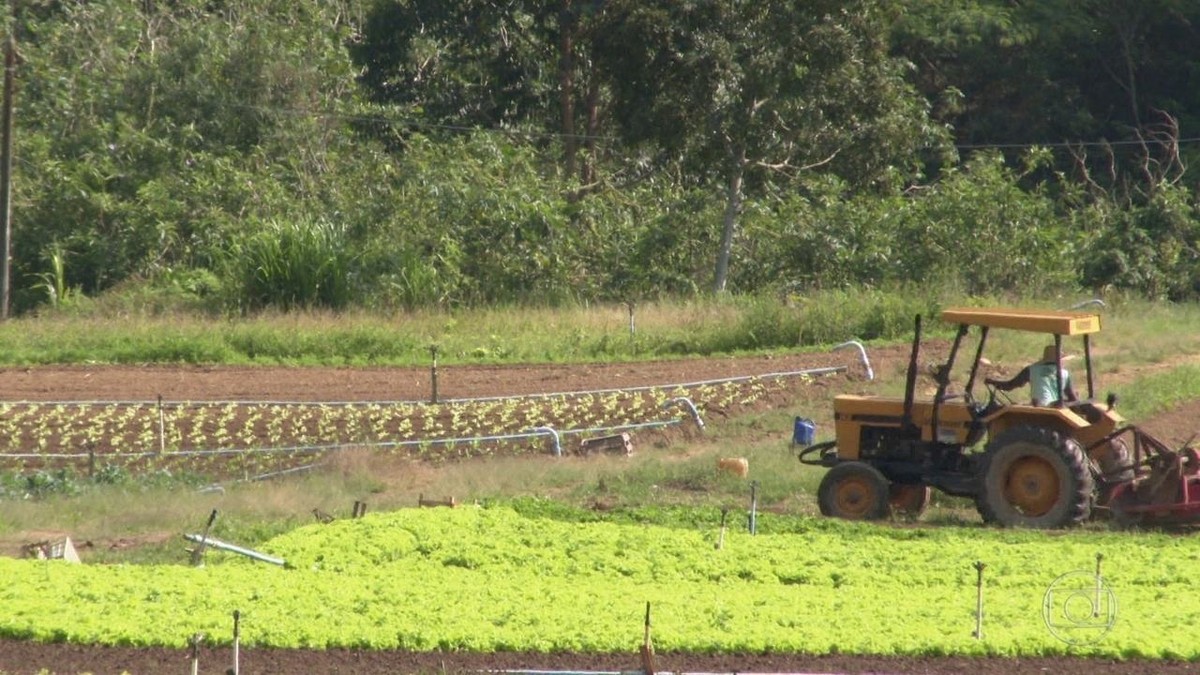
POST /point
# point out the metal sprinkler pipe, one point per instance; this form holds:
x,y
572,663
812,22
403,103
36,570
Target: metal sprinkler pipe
x,y
691,408
553,435
862,353
236,669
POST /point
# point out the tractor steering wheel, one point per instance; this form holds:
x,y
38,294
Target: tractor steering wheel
x,y
997,397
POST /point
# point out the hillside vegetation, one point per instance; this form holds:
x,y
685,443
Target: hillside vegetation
x,y
381,154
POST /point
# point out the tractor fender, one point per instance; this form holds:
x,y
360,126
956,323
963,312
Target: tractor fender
x,y
1063,420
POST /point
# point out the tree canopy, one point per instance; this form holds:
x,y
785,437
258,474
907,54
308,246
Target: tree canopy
x,y
398,153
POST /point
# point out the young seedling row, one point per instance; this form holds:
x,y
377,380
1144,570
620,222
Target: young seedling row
x,y
235,438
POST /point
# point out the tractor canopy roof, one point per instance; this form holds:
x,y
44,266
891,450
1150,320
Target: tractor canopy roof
x,y
1031,320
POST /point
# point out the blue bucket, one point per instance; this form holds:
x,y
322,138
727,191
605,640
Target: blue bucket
x,y
804,432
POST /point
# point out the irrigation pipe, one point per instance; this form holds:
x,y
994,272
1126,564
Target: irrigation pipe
x,y
862,354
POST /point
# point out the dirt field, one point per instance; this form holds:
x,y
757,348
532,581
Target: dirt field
x,y
338,384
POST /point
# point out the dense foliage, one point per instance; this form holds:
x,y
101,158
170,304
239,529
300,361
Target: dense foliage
x,y
403,153
485,579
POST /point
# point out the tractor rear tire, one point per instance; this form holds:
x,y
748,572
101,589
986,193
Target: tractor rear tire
x,y
908,500
853,491
1116,463
1036,478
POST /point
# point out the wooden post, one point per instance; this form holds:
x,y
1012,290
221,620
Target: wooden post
x,y
433,351
1099,587
647,647
6,152
198,552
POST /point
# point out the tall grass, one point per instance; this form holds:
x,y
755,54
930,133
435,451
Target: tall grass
x,y
491,335
295,264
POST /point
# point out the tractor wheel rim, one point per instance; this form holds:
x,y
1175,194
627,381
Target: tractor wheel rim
x,y
1032,486
853,498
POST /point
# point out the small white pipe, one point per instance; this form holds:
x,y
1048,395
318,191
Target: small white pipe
x,y
862,352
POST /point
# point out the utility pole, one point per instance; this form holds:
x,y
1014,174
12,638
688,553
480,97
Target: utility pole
x,y
6,121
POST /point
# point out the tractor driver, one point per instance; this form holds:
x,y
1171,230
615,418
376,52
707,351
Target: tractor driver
x,y
1042,379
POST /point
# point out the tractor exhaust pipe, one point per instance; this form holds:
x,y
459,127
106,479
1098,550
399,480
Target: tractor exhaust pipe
x,y
910,383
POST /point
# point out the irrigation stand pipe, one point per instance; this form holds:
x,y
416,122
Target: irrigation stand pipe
x,y
236,643
862,354
196,640
753,507
162,427
979,567
687,403
553,437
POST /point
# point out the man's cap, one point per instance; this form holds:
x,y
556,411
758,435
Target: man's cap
x,y
1048,355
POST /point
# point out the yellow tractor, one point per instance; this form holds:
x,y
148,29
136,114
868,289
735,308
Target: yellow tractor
x,y
1041,466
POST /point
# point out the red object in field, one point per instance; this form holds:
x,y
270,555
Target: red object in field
x,y
1166,488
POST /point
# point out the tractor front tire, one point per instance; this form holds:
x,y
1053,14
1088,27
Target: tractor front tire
x,y
1036,478
853,491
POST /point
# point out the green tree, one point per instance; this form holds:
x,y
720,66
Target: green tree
x,y
489,64
751,95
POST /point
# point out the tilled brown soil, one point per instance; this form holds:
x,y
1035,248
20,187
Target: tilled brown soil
x,y
347,384
19,658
